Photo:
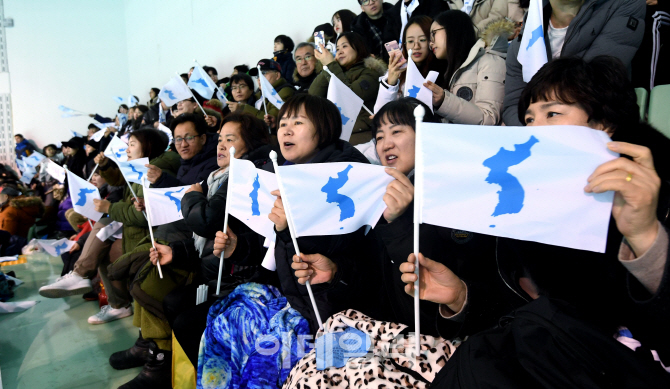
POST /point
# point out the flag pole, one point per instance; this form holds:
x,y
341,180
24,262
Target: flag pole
x,y
196,100
291,230
263,93
151,231
419,113
409,54
333,75
129,186
225,217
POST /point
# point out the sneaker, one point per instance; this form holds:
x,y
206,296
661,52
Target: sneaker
x,y
107,314
90,296
68,285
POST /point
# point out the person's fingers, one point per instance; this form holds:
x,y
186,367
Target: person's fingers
x,y
411,258
636,180
279,204
310,258
616,185
623,164
276,193
299,266
409,289
407,267
395,173
296,258
304,273
408,277
640,154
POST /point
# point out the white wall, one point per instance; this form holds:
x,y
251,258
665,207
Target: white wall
x,y
65,52
82,53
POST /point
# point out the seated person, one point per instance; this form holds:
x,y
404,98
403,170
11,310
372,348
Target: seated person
x,y
272,72
282,54
18,212
307,67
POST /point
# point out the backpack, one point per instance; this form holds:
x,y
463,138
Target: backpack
x,y
542,345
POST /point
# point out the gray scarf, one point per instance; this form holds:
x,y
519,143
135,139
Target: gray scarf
x,y
214,181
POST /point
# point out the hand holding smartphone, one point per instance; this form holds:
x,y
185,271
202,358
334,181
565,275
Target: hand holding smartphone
x,y
392,47
319,40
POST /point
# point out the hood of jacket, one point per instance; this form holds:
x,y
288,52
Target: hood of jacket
x,y
496,33
32,206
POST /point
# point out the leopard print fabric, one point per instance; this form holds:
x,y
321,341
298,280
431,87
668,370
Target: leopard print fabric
x,y
380,369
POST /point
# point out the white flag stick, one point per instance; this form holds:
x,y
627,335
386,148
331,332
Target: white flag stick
x,y
225,216
263,92
65,167
409,55
291,230
93,172
419,113
333,75
151,231
196,100
129,186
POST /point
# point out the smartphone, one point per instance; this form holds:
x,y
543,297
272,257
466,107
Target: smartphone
x,y
393,46
319,40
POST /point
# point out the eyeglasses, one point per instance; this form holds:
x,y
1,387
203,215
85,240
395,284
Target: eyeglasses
x,y
432,33
188,139
239,87
365,2
306,59
422,42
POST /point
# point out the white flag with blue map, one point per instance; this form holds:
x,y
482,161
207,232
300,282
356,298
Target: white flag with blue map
x,y
82,194
201,82
134,170
116,150
532,50
56,247
414,84
516,182
334,198
98,134
174,91
269,91
165,204
54,170
249,198
347,102
34,159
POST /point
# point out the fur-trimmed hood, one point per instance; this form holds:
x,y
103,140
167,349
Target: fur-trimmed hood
x,y
376,64
501,28
33,206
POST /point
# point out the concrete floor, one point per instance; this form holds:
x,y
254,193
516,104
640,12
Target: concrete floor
x,y
51,345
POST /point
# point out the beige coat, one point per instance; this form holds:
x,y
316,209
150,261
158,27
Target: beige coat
x,y
486,11
477,89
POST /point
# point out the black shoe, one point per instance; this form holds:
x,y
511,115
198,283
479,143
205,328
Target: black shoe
x,y
157,372
90,296
135,356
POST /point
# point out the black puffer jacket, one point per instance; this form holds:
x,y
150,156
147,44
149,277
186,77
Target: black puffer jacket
x,y
194,170
344,250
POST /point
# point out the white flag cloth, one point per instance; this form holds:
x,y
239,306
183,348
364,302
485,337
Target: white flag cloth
x,y
414,84
118,99
523,183
269,91
116,150
167,132
221,96
132,101
110,230
34,160
56,247
123,118
334,198
165,204
347,102
99,134
55,171
134,170
201,82
82,194
532,50
249,198
76,134
102,126
174,91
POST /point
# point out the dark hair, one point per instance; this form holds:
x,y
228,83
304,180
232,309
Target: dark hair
x,y
19,135
286,41
44,149
461,36
347,17
323,114
241,68
126,107
401,112
92,127
138,123
199,123
184,76
253,130
242,77
600,87
424,23
357,43
156,91
153,142
208,69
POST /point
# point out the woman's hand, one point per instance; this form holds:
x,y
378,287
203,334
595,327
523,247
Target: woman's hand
x,y
225,243
153,173
74,248
271,121
101,160
396,61
314,268
73,237
101,205
277,215
436,283
138,203
161,254
194,188
234,106
636,199
438,93
210,120
399,194
324,56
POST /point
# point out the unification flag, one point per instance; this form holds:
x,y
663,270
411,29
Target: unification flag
x,y
116,150
34,159
221,96
55,170
118,99
269,91
102,126
201,82
164,204
522,183
134,170
174,91
82,194
98,135
70,115
334,198
27,172
123,118
414,84
168,132
532,50
161,114
249,198
66,109
56,247
347,102
132,101
76,134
